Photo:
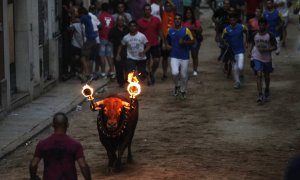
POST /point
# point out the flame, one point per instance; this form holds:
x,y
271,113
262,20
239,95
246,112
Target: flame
x,y
87,91
133,88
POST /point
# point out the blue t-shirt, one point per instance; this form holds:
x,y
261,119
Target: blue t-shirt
x,y
235,37
273,18
175,35
89,31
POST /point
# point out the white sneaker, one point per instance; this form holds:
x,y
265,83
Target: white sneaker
x,y
103,76
195,73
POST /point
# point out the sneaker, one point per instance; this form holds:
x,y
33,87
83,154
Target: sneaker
x,y
260,99
237,85
82,78
242,78
164,77
103,75
195,73
95,76
112,75
152,79
183,95
149,83
176,90
267,96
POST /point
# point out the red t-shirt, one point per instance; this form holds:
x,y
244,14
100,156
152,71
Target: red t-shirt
x,y
150,29
252,5
107,23
59,152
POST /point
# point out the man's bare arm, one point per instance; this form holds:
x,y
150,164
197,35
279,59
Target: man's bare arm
x,y
33,166
85,169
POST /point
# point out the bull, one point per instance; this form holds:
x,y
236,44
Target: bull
x,y
116,123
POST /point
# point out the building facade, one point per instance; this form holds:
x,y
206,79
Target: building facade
x,y
31,53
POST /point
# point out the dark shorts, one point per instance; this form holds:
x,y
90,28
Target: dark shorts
x,y
89,47
154,52
196,45
137,65
262,66
75,51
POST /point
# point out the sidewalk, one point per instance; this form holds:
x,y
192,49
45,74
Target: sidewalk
x,y
27,121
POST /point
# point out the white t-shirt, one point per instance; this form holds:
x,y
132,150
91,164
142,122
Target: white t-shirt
x,y
284,10
135,44
155,10
78,37
126,16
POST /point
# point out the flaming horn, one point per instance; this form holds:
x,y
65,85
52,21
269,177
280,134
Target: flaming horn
x,y
87,91
133,88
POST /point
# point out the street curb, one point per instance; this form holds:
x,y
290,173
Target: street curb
x,y
34,131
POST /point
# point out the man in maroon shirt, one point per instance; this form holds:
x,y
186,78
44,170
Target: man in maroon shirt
x,y
150,26
59,152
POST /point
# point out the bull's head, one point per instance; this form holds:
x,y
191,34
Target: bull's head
x,y
112,108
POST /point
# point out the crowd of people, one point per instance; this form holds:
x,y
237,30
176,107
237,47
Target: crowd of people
x,y
139,36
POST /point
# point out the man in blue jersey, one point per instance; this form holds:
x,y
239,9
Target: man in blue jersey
x,y
233,35
275,22
179,39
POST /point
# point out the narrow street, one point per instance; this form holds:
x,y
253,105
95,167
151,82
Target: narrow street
x,y
217,133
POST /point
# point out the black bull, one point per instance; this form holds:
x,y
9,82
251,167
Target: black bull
x,y
117,137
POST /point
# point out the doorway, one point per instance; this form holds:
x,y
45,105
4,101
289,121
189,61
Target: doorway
x,y
11,39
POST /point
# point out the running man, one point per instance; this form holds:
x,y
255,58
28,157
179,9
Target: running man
x,y
180,38
261,54
150,26
282,7
233,35
137,45
274,19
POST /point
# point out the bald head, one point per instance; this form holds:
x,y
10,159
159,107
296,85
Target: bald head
x,y
60,121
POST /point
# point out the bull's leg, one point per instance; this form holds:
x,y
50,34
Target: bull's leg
x,y
129,155
121,150
111,153
111,158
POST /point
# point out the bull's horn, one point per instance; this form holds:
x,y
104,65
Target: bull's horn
x,y
125,104
98,103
